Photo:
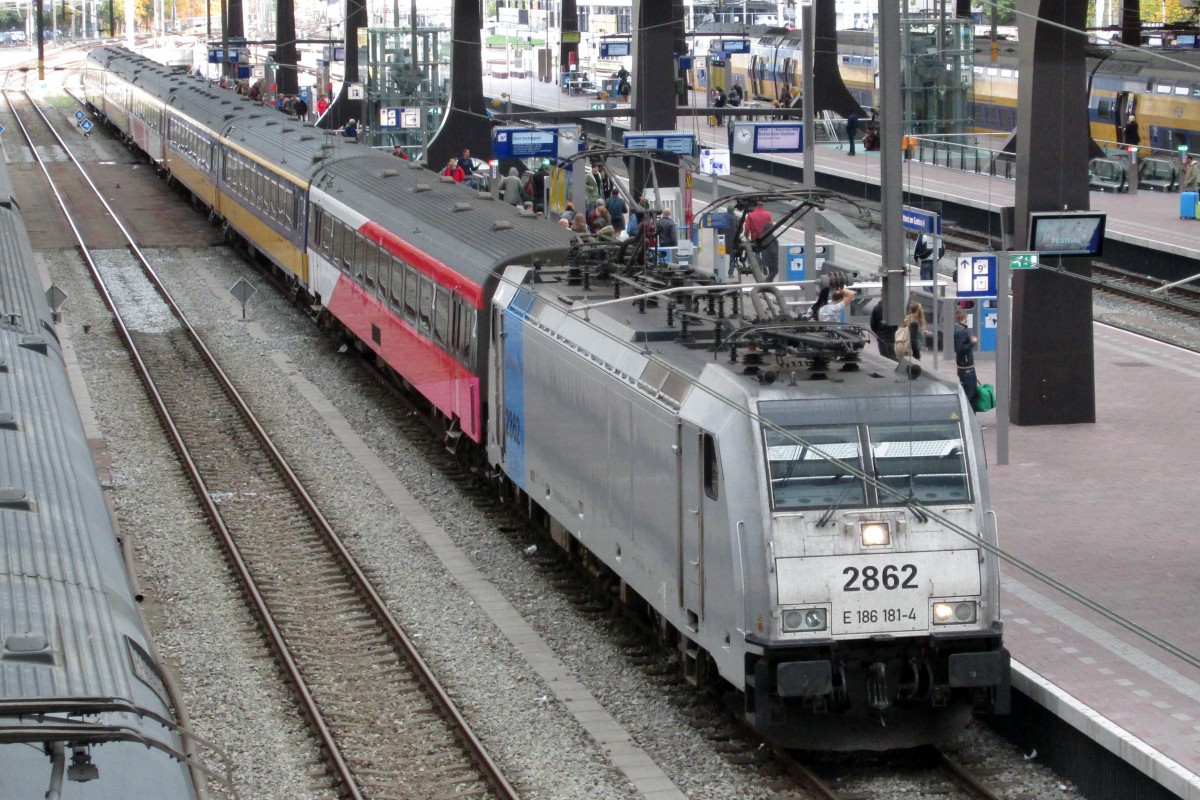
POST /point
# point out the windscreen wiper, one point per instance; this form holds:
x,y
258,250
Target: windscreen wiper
x,y
828,515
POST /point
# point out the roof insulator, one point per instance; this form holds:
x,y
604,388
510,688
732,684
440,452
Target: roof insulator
x,y
422,187
462,207
388,173
501,225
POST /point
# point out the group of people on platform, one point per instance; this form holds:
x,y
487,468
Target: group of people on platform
x,y
905,341
293,105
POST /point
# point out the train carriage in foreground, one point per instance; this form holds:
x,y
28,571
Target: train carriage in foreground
x,y
810,527
83,708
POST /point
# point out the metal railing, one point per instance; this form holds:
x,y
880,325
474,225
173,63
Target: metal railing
x,y
983,154
979,153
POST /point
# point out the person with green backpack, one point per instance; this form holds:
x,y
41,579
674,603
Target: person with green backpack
x,y
964,357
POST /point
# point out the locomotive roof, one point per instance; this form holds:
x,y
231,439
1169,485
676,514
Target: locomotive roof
x,y
689,356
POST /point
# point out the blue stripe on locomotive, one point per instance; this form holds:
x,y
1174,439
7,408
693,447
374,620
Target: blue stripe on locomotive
x,y
514,386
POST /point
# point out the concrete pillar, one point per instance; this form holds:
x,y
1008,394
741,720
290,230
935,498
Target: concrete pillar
x,y
1053,374
285,48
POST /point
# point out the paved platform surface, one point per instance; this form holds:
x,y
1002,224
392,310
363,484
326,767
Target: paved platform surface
x,y
1148,219
1110,509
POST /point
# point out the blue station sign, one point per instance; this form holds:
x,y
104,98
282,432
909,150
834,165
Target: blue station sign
x,y
921,221
547,142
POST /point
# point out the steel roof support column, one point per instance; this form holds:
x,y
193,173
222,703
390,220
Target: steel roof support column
x,y
1131,23
466,123
235,28
285,49
891,174
356,18
1053,374
653,97
568,52
829,89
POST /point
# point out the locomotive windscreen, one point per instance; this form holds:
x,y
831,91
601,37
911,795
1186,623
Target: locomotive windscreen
x,y
822,465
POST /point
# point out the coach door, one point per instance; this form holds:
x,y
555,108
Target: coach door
x,y
691,523
1124,106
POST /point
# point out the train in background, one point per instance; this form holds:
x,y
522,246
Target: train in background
x,y
1158,84
808,526
84,709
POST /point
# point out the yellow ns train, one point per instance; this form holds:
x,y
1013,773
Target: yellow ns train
x,y
261,200
1159,87
772,71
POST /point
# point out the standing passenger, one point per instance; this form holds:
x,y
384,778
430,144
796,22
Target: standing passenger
x,y
964,357
1132,137
1191,174
915,321
617,209
510,187
754,228
885,335
668,232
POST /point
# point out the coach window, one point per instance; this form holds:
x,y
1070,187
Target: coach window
x,y
335,244
470,331
364,258
328,225
441,318
712,472
425,316
412,293
384,262
348,237
456,325
396,284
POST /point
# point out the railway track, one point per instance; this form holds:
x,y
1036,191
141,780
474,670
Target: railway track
x,y
918,772
386,726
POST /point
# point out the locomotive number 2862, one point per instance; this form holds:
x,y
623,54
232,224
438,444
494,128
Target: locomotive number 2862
x,y
870,578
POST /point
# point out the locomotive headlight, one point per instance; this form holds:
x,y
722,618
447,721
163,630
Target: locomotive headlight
x,y
804,619
876,534
954,613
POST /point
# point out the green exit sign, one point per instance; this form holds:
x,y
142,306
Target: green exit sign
x,y
1023,260
598,106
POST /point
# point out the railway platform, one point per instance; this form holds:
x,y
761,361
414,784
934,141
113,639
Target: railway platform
x,y
1144,232
1109,510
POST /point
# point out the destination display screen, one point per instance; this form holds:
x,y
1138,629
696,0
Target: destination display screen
x,y
1067,233
778,138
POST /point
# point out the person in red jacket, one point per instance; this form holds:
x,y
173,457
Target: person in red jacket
x,y
454,170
